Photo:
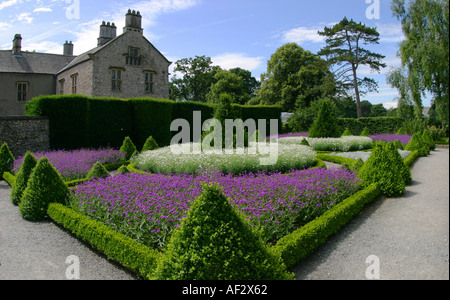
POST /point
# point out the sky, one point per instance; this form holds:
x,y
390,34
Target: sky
x,y
234,33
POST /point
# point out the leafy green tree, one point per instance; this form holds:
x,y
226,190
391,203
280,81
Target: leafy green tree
x,y
197,78
229,83
378,111
344,50
425,51
325,125
251,84
294,77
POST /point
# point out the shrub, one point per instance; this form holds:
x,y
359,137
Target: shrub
x,y
128,148
428,139
305,143
379,169
6,160
347,132
365,132
397,162
22,178
325,125
123,170
416,143
150,144
44,187
98,171
214,242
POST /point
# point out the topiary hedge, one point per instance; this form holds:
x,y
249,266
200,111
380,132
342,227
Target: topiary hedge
x,y
377,125
214,242
22,177
6,160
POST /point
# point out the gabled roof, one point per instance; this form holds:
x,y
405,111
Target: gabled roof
x,y
33,62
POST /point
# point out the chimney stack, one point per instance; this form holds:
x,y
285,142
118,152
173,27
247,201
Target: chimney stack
x,y
133,22
108,32
17,45
68,48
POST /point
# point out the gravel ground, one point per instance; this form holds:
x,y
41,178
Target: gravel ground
x,y
408,235
38,250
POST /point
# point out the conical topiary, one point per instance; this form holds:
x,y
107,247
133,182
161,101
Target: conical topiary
x,y
397,162
28,164
123,170
44,187
150,144
428,139
325,125
6,160
379,169
97,171
214,242
128,148
304,142
365,132
347,132
416,143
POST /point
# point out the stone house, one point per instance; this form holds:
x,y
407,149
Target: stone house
x,y
124,66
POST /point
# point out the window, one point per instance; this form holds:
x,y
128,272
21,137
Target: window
x,y
22,91
74,83
149,82
61,86
133,58
116,82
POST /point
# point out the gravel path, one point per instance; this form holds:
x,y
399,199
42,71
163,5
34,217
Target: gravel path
x,y
408,235
38,250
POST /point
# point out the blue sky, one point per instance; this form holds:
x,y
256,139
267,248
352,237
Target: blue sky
x,y
234,33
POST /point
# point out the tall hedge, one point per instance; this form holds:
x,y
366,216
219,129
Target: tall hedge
x,y
90,122
376,125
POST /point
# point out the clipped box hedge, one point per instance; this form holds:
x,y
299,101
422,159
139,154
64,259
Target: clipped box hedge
x,y
118,247
377,125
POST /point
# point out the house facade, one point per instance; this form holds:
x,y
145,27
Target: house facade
x,y
124,66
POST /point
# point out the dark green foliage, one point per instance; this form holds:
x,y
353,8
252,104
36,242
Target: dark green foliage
x,y
398,144
325,125
377,125
6,160
123,170
214,242
128,147
98,171
347,132
401,131
379,169
416,143
358,165
150,144
365,132
29,162
44,187
305,143
428,139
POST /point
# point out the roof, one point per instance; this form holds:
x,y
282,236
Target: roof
x,y
33,62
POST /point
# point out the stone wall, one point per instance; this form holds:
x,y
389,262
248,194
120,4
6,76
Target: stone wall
x,y
25,133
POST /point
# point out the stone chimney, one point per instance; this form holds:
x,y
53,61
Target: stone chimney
x,y
107,32
133,22
17,45
68,48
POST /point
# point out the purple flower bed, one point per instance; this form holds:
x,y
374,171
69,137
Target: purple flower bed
x,y
148,207
388,137
76,164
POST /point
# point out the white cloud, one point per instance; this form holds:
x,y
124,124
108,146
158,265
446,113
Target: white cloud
x,y
4,26
390,105
25,18
43,9
44,47
390,33
237,60
303,34
8,3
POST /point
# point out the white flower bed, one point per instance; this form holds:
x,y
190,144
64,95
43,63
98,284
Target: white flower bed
x,y
364,155
163,160
346,143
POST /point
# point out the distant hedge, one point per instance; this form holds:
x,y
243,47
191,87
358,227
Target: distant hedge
x,y
78,121
376,125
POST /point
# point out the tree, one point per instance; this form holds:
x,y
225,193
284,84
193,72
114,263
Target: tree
x,y
294,76
325,125
398,79
425,51
197,78
344,50
228,83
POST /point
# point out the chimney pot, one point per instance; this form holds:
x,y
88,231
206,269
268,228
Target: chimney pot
x,y
17,45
